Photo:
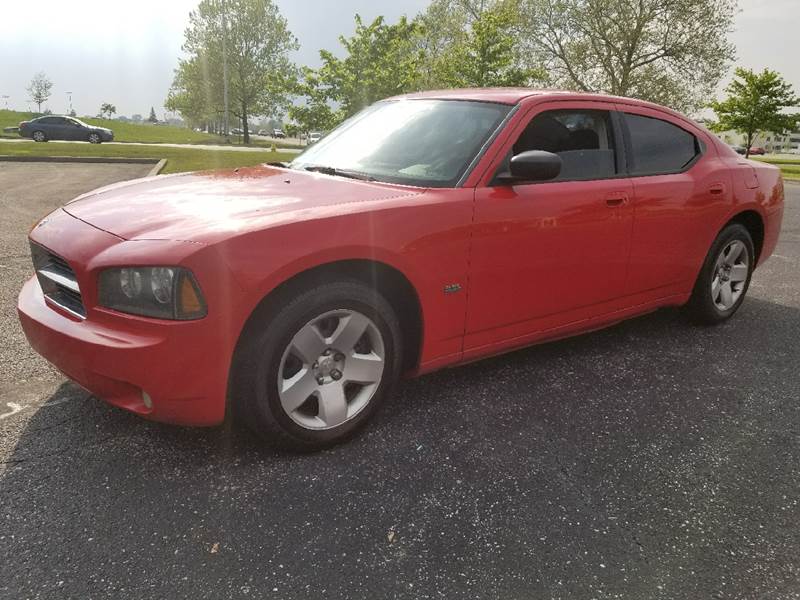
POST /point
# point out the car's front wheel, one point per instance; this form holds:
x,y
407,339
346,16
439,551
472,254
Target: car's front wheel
x,y
39,136
724,278
313,372
94,138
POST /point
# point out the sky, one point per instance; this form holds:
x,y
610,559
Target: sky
x,y
125,52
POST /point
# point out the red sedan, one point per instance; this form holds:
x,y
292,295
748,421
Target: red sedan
x,y
427,231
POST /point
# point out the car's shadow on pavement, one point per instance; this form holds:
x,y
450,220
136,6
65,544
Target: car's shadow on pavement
x,y
651,459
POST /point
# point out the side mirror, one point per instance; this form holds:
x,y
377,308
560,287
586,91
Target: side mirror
x,y
532,165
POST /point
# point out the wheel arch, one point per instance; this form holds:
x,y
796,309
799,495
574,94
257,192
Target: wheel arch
x,y
754,223
392,283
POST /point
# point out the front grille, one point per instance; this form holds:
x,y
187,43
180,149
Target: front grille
x,y
57,280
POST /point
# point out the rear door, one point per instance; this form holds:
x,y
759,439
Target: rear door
x,y
680,189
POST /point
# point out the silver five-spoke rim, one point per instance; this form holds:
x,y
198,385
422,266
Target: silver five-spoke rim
x,y
730,275
331,369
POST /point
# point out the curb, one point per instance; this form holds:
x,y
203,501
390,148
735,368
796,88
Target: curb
x,y
86,159
157,169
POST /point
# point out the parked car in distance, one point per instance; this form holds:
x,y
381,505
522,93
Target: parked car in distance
x,y
237,131
739,150
278,133
757,151
56,127
793,151
314,137
491,220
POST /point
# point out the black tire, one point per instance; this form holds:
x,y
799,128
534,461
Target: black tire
x,y
94,138
702,308
39,136
255,370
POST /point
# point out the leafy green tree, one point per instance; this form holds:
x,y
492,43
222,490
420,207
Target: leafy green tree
x,y
152,118
756,102
380,60
315,114
486,56
196,92
669,51
39,89
257,42
107,109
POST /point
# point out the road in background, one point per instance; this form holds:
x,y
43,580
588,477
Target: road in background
x,y
652,460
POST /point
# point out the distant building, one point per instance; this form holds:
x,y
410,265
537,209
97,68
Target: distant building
x,y
783,143
769,141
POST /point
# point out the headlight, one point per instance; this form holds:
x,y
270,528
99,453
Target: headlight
x,y
161,292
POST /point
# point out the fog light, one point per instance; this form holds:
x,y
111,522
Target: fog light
x,y
148,401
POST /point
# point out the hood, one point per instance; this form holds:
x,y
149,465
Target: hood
x,y
207,206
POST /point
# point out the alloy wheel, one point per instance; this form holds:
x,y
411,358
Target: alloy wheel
x,y
729,276
331,369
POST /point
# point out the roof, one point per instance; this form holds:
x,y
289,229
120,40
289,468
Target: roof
x,y
502,95
516,95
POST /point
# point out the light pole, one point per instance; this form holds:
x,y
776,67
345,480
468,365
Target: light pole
x,y
6,97
69,94
225,67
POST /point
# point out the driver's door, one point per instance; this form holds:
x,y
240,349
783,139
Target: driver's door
x,y
74,130
549,253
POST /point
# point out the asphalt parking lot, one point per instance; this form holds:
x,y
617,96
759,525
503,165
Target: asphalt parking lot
x,y
653,459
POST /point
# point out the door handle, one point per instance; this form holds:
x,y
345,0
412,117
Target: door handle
x,y
616,199
717,188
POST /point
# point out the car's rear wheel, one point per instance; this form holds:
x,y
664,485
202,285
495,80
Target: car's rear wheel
x,y
724,278
94,138
313,372
39,136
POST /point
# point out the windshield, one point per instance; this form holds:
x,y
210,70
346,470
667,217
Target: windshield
x,y
416,142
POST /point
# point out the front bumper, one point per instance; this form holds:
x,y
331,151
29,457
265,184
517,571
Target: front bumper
x,y
119,362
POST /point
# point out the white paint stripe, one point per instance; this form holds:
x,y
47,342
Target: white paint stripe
x,y
15,408
59,401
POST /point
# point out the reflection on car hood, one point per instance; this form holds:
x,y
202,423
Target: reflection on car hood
x,y
208,206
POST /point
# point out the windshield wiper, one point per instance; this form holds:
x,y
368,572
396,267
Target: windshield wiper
x,y
339,172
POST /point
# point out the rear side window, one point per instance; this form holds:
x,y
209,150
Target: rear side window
x,y
658,146
50,121
582,138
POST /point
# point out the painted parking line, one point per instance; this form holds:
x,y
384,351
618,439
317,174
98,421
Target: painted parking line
x,y
15,408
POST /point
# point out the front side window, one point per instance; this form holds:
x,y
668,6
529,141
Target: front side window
x,y
658,146
416,142
582,138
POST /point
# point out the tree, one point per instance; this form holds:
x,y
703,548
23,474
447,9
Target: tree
x,y
755,103
380,60
257,44
315,114
486,55
107,109
673,52
39,89
152,118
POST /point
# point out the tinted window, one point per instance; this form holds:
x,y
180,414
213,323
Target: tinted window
x,y
50,121
658,146
583,140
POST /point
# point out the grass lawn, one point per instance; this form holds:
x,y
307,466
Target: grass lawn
x,y
789,167
123,132
178,159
